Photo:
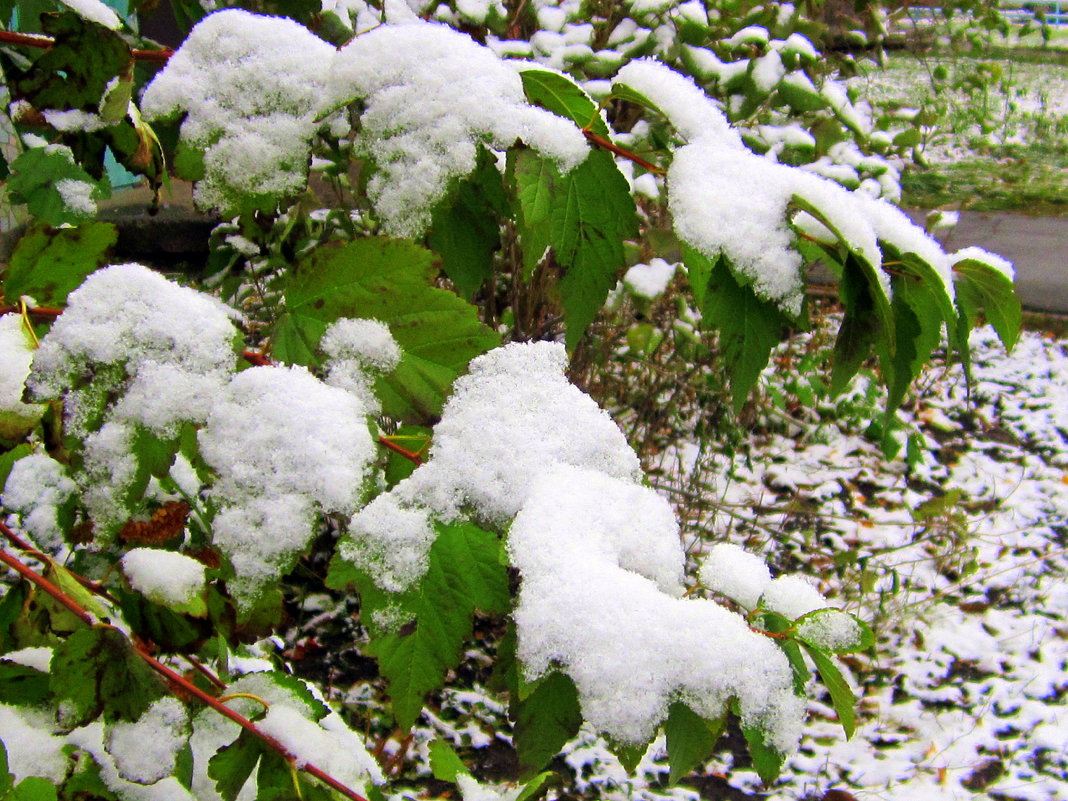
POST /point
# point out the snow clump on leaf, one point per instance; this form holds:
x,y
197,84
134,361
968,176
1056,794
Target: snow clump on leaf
x,y
251,88
599,553
37,487
16,353
431,96
602,563
285,446
735,573
135,329
727,200
356,351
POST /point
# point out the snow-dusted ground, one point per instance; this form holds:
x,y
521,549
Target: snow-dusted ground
x,y
964,696
1018,105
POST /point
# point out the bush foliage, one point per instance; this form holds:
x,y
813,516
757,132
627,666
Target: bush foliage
x,y
367,394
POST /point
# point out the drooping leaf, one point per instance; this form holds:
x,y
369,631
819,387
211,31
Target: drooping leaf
x,y
49,263
593,216
981,286
231,766
767,760
465,229
860,328
464,574
544,722
390,281
23,686
445,763
560,95
748,326
536,181
842,697
864,271
898,367
628,754
96,672
690,739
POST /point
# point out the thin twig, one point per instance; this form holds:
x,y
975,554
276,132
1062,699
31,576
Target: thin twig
x,y
46,42
33,311
203,671
29,550
407,454
257,359
601,142
178,680
36,578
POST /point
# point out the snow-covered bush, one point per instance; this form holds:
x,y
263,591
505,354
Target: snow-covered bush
x,y
176,466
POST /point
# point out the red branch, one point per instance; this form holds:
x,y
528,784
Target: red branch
x,y
256,359
393,446
45,42
47,586
600,141
33,311
25,547
178,679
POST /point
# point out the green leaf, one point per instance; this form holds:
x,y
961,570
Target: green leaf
x,y
65,580
155,623
536,180
12,608
842,697
183,765
560,95
981,286
535,786
96,671
33,788
464,574
628,754
864,270
690,739
545,721
860,328
36,172
233,764
22,686
800,97
49,263
445,764
823,629
86,782
620,91
74,73
592,217
767,761
390,281
276,780
6,779
465,229
748,326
